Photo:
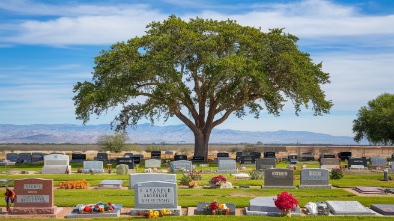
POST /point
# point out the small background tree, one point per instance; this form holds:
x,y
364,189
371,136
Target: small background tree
x,y
375,122
114,143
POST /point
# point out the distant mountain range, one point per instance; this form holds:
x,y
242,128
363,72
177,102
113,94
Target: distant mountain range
x,y
146,133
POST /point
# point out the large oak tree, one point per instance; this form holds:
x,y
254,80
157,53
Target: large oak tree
x,y
201,71
375,122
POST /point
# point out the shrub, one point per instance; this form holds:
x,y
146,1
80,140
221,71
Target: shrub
x,y
336,174
185,180
256,175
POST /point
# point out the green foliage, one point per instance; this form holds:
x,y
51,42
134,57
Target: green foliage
x,y
185,180
375,122
201,71
152,148
114,143
256,174
336,174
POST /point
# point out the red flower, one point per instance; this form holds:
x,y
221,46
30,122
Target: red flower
x,y
213,205
286,201
218,179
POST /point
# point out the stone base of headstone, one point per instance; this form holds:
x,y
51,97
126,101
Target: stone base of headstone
x,y
107,214
174,212
34,210
315,186
278,187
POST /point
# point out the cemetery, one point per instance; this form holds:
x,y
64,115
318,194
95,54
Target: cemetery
x,y
197,189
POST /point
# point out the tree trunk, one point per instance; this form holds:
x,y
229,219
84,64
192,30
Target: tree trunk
x,y
201,144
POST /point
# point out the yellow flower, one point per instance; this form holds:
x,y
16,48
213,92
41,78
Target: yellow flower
x,y
156,213
220,206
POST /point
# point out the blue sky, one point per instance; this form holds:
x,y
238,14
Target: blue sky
x,y
48,46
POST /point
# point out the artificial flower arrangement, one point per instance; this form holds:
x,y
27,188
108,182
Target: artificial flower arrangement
x,y
98,208
286,202
155,213
217,180
218,208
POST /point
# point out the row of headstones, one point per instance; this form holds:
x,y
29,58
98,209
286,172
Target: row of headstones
x,y
36,196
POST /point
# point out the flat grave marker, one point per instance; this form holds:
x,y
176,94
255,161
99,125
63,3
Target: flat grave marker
x,y
384,209
265,206
110,184
352,208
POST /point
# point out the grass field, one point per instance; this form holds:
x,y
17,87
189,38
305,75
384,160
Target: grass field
x,y
190,197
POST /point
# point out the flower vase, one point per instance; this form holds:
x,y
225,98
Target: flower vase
x,y
213,212
285,212
227,211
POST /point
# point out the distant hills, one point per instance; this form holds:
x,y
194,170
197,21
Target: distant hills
x,y
146,133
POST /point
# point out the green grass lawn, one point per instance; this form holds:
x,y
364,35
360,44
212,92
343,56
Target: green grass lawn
x,y
191,197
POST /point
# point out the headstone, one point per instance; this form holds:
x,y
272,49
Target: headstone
x,y
155,155
238,156
352,208
110,184
156,196
202,209
227,166
292,157
150,177
329,163
37,156
265,163
357,163
369,190
122,169
345,155
137,158
128,155
381,161
384,209
269,155
34,196
125,160
314,178
307,157
279,178
24,158
93,166
197,159
222,155
327,156
101,157
180,157
78,157
181,166
247,160
56,164
13,157
256,155
152,163
265,206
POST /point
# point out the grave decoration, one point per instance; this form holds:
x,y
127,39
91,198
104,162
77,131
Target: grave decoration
x,y
98,210
216,208
216,181
286,202
154,213
76,184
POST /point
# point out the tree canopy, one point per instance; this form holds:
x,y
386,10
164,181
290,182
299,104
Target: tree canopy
x,y
201,72
114,143
375,122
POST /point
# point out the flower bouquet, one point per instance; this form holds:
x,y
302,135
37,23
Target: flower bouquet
x,y
96,208
217,180
217,208
155,213
286,202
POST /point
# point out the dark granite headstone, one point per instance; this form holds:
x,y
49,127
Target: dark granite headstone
x,y
128,155
384,209
180,157
358,163
155,155
78,157
345,155
247,159
102,157
37,156
256,155
307,157
197,159
125,160
222,155
269,154
265,163
282,178
136,159
24,158
13,157
238,156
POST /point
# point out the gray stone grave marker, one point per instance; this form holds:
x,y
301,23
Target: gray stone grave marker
x,y
227,166
150,177
381,161
95,166
156,196
384,209
279,178
352,208
122,169
265,163
110,184
314,178
56,164
265,206
153,163
181,166
329,163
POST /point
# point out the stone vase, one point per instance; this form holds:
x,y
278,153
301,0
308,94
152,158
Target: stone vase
x,y
285,213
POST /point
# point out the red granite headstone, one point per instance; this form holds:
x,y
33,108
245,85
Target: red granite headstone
x,y
33,196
